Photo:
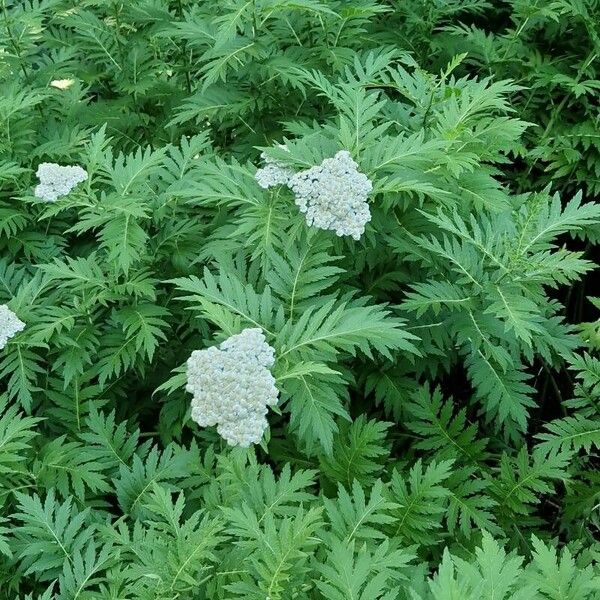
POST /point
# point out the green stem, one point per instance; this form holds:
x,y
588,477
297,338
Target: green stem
x,y
186,62
544,137
13,42
117,13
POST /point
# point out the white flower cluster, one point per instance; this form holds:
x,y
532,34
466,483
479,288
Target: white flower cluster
x,y
233,386
57,181
273,173
333,195
10,325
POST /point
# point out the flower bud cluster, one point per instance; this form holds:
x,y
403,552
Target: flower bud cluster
x,y
273,173
57,181
232,387
10,325
333,195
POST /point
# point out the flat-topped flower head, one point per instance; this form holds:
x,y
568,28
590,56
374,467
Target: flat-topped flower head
x,y
232,387
10,325
57,181
333,195
273,173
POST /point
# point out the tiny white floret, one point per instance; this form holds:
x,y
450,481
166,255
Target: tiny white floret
x,y
10,325
274,172
57,181
232,387
333,195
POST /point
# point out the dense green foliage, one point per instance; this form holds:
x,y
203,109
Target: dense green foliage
x,y
438,426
